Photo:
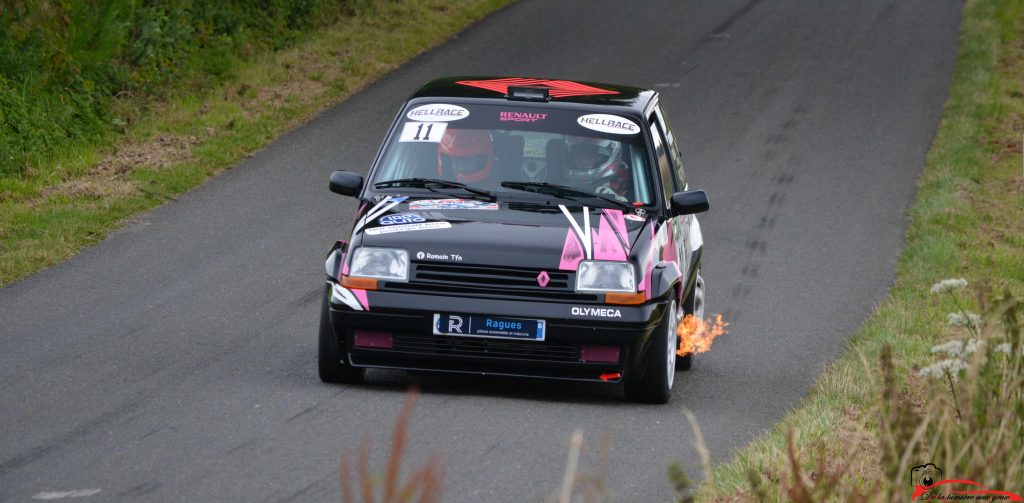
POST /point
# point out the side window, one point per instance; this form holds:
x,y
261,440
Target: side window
x,y
673,147
664,168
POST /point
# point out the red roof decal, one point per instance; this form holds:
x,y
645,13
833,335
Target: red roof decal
x,y
556,88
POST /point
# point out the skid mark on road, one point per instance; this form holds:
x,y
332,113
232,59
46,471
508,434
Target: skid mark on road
x,y
34,454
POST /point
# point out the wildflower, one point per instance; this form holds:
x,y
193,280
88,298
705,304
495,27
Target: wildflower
x,y
957,349
949,284
944,368
971,320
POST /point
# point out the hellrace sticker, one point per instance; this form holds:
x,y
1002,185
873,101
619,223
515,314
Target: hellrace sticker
x,y
451,204
408,228
437,112
423,131
401,218
606,123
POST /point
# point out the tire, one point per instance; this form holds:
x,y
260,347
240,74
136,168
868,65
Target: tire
x,y
693,305
330,356
655,386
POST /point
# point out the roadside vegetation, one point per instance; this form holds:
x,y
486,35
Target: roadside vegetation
x,y
935,375
110,108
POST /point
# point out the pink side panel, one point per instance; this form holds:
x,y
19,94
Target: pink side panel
x,y
361,296
619,224
648,273
606,245
344,266
572,252
668,253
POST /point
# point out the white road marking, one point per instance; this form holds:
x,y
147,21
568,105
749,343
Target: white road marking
x,y
57,495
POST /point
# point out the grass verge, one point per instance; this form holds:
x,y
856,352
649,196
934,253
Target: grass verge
x,y
872,415
78,195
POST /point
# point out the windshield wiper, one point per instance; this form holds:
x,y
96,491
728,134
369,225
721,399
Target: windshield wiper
x,y
562,191
427,182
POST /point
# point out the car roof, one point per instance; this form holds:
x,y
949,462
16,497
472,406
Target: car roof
x,y
594,95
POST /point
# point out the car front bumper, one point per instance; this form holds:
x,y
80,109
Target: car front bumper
x,y
395,330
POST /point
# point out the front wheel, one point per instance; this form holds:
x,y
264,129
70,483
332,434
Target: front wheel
x,y
330,357
656,384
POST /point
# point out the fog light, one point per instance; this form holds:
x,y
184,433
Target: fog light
x,y
370,339
594,353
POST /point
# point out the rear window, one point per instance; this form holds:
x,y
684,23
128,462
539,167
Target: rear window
x,y
485,145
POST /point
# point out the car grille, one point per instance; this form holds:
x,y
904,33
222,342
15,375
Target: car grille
x,y
489,281
489,348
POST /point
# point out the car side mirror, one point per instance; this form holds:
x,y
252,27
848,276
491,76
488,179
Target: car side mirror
x,y
689,202
346,183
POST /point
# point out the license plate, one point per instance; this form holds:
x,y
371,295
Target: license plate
x,y
489,326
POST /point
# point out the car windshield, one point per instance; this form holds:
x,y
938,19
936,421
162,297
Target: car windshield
x,y
512,149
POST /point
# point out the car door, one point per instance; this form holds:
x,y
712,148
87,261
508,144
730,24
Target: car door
x,y
678,225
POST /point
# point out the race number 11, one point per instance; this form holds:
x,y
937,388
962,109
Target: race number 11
x,y
423,131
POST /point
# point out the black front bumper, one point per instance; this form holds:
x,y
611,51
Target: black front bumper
x,y
409,319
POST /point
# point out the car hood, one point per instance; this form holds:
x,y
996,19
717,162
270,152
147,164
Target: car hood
x,y
509,234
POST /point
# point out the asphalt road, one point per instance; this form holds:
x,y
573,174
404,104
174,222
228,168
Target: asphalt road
x,y
175,361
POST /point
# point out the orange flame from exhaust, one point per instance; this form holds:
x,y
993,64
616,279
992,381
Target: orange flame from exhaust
x,y
695,334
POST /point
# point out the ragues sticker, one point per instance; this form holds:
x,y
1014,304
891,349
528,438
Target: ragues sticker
x,y
606,123
437,112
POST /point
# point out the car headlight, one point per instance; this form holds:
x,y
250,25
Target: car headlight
x,y
600,276
381,263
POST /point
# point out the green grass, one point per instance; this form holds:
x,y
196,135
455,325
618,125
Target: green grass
x,y
76,193
967,221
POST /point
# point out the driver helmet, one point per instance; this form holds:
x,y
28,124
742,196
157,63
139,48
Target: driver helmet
x,y
465,153
596,163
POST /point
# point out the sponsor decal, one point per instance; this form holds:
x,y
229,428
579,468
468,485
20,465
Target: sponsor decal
x,y
408,228
596,311
437,112
489,326
401,218
605,123
453,257
635,218
521,117
451,204
556,88
377,210
430,132
640,212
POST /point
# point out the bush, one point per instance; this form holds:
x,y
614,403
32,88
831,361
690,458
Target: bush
x,y
63,62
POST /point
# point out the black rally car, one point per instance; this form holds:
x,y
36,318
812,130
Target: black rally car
x,y
523,227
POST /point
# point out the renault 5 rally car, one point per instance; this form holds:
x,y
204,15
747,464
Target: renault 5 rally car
x,y
519,227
